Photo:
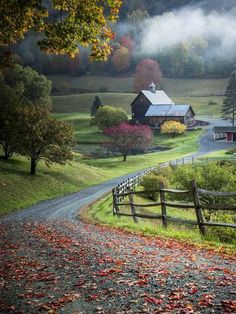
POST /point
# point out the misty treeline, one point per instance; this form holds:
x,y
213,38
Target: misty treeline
x,y
146,29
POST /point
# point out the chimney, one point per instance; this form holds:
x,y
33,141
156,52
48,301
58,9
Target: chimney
x,y
152,87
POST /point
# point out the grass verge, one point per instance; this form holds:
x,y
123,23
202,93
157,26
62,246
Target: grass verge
x,y
101,212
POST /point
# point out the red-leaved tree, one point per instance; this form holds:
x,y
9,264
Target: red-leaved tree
x,y
146,72
127,137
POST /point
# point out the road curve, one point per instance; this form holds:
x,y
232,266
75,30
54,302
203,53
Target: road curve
x,y
66,207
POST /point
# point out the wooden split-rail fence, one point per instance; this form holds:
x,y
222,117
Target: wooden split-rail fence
x,y
125,190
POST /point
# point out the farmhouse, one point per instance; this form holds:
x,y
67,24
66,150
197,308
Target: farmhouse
x,y
154,107
227,133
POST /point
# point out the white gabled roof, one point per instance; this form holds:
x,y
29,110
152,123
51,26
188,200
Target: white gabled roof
x,y
158,98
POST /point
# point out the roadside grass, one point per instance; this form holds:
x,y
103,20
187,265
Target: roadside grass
x,y
220,155
101,212
82,102
19,189
122,84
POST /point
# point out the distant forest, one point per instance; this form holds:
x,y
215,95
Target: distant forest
x,y
188,59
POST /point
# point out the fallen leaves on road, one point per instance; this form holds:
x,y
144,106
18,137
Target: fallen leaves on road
x,y
80,268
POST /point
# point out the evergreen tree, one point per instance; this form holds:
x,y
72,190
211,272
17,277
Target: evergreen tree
x,y
97,103
229,104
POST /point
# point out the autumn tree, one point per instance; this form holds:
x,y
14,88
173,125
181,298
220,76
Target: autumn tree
x,y
126,137
229,104
121,59
97,103
173,127
147,71
107,117
19,87
42,137
63,25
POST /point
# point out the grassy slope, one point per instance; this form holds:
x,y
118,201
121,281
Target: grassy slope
x,y
174,87
19,189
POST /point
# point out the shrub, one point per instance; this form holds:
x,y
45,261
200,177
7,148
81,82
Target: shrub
x,y
152,181
173,127
231,151
224,234
107,117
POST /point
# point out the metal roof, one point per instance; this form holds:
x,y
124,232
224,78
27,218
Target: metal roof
x,y
223,129
167,110
157,98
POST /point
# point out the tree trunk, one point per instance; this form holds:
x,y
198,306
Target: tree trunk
x,y
125,157
7,152
33,166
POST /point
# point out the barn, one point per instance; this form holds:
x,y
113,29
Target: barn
x,y
154,107
227,133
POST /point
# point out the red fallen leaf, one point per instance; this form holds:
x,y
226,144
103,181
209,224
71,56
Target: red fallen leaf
x,y
92,297
153,300
31,295
229,305
106,272
206,300
193,290
80,283
142,276
176,295
141,282
163,271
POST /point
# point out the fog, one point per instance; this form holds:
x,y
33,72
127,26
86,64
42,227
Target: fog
x,y
218,28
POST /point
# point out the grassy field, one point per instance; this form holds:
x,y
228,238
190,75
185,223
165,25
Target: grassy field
x,y
173,87
197,92
82,103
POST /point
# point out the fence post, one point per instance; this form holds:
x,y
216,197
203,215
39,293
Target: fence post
x,y
132,207
114,202
163,205
198,210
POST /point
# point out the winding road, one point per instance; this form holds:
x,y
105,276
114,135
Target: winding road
x,y
67,207
53,263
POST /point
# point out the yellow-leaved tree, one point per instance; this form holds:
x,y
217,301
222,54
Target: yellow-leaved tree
x,y
64,25
173,127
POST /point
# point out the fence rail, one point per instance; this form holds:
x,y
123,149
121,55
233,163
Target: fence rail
x,y
126,189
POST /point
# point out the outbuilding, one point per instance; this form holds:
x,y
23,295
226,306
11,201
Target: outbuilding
x,y
226,133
